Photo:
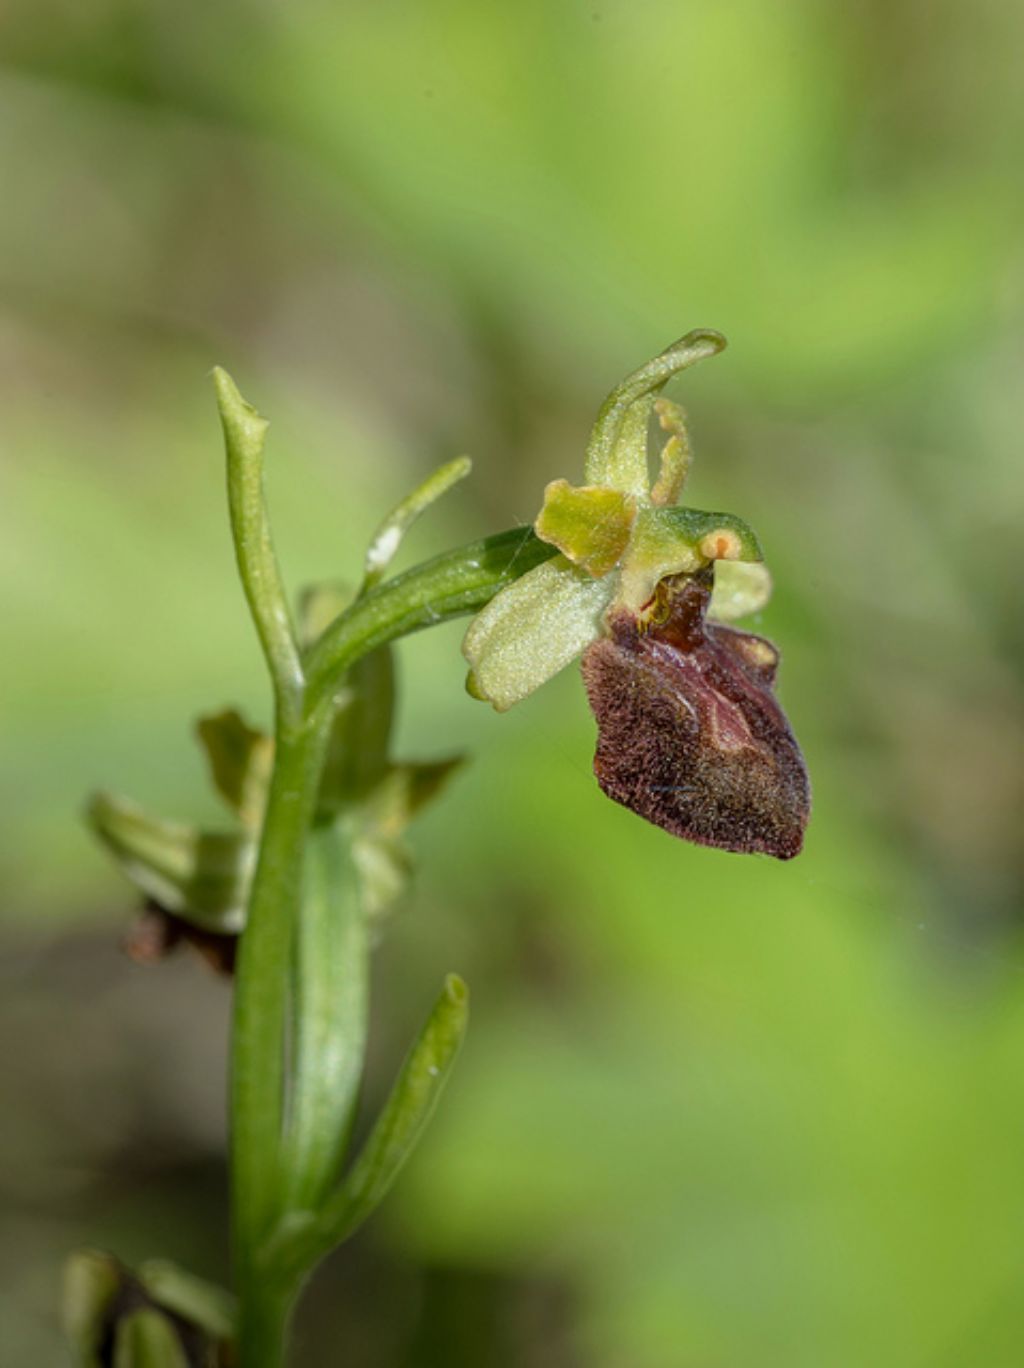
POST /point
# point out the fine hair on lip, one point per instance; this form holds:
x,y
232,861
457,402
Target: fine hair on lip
x,y
690,733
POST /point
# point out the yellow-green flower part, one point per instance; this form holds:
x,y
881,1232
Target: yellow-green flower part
x,y
618,536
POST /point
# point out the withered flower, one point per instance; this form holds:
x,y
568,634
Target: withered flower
x,y
690,735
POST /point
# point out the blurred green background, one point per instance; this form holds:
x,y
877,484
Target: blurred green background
x,y
715,1112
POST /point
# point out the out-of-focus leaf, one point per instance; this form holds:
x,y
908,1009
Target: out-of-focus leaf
x,y
408,788
240,760
203,876
149,1318
201,1303
382,859
91,1280
319,605
384,866
146,1339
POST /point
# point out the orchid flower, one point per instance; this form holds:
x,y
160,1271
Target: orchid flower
x,y
690,734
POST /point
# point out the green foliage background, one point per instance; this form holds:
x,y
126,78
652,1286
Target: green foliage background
x,y
714,1112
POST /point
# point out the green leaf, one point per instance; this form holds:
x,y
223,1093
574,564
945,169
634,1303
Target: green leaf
x,y
395,1135
533,629
240,760
330,993
146,1339
407,1111
391,532
244,435
202,876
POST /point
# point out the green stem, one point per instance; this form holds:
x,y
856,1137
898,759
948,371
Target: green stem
x,y
449,586
291,1082
265,1308
266,1197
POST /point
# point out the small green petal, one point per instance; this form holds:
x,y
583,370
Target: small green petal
x,y
590,524
676,454
533,629
741,588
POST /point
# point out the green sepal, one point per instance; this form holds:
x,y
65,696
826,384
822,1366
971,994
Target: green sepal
x,y
240,760
617,450
589,524
202,876
533,629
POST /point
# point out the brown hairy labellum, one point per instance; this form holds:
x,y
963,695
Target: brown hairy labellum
x,y
690,735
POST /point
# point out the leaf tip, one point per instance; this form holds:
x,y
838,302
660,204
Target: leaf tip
x,y
456,990
237,413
